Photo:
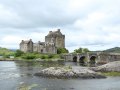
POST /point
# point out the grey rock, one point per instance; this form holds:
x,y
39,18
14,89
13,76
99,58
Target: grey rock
x,y
61,72
109,67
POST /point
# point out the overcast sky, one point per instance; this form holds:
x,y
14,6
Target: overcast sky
x,y
92,24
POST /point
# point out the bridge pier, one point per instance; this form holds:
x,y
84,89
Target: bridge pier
x,y
88,58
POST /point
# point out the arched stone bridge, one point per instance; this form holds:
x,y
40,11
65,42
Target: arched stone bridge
x,y
92,57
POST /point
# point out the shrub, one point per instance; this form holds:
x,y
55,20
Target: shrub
x,y
43,57
28,56
18,53
50,56
6,56
62,50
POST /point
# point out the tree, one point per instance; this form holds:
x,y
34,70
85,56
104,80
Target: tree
x,y
86,50
62,50
18,53
81,50
78,50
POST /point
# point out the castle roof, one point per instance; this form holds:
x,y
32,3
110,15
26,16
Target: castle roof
x,y
26,41
54,33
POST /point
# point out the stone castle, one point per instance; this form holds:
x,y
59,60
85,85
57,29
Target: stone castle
x,y
54,40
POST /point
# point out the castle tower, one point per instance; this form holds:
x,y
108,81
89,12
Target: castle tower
x,y
26,46
56,37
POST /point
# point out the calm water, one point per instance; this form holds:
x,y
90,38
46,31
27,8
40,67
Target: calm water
x,y
20,75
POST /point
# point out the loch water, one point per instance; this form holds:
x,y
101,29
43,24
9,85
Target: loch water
x,y
19,75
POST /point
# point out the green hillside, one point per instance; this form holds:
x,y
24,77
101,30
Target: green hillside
x,y
114,50
4,51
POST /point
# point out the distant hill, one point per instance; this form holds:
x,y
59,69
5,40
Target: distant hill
x,y
114,50
5,51
13,49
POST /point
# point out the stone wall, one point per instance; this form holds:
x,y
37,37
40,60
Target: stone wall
x,y
26,46
54,40
56,37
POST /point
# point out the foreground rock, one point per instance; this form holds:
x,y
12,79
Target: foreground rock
x,y
109,67
58,72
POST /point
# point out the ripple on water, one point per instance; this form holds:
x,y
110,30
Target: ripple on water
x,y
4,76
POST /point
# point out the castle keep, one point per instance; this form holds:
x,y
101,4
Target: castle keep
x,y
54,40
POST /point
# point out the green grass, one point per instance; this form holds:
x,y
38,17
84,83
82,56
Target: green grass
x,y
111,73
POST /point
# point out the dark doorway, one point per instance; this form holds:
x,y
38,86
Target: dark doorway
x,y
41,50
75,59
82,60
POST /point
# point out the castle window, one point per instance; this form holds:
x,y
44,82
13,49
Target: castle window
x,y
41,50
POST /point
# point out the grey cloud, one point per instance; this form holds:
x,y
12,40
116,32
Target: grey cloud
x,y
41,16
50,13
39,13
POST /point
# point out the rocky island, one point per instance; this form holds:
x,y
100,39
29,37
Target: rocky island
x,y
66,73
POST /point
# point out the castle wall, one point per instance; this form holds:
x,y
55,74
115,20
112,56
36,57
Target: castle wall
x,y
30,47
50,48
60,41
35,47
23,47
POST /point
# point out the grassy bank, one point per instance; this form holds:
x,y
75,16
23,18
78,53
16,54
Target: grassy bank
x,y
111,73
6,54
31,56
38,56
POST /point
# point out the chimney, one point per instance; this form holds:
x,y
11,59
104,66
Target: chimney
x,y
58,30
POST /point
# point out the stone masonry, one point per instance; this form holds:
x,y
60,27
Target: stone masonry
x,y
54,40
57,38
92,57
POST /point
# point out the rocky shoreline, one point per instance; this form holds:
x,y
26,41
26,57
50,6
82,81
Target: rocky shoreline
x,y
109,67
80,72
66,73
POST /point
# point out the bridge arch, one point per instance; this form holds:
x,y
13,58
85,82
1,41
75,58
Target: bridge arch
x,y
93,59
82,59
74,58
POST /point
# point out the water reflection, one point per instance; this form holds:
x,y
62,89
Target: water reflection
x,y
21,76
39,64
80,64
